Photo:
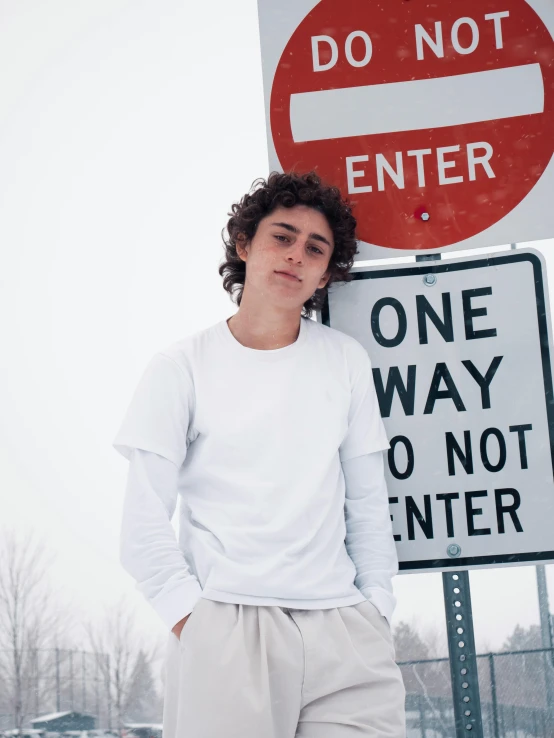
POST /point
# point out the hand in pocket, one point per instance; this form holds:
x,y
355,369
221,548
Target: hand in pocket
x,y
179,626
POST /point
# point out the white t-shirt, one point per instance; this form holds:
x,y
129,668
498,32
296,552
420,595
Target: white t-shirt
x,y
257,438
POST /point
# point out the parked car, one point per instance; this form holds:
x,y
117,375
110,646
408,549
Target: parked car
x,y
93,733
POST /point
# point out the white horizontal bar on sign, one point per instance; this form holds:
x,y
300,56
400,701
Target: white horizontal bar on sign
x,y
417,104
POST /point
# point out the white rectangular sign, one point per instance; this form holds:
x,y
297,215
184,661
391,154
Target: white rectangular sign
x,y
460,351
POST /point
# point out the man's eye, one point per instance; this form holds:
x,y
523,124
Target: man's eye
x,y
319,250
277,236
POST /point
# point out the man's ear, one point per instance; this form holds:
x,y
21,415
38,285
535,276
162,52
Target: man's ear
x,y
324,279
242,243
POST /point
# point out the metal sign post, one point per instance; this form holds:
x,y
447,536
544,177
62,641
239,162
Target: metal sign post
x,y
464,675
461,648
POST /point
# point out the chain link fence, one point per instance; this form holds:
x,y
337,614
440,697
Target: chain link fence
x,y
513,690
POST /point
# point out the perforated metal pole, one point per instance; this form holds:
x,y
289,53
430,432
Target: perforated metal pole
x,y
461,642
463,659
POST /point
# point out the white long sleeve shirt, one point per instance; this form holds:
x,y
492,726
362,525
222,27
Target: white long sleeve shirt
x,y
276,458
151,554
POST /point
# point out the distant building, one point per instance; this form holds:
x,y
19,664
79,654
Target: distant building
x,y
61,721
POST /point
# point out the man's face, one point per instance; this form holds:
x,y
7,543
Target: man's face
x,y
297,240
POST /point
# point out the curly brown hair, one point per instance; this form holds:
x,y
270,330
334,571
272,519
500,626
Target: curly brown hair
x,y
287,190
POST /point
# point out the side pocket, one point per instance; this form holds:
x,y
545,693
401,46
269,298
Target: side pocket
x,y
375,613
378,612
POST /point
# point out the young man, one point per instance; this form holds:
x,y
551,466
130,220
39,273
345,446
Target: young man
x,y
277,595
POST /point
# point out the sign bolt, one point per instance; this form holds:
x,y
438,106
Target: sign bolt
x,y
429,280
422,212
454,550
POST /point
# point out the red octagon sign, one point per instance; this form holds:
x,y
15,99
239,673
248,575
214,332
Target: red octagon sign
x,y
434,124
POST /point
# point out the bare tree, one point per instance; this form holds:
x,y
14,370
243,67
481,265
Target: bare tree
x,y
121,651
32,620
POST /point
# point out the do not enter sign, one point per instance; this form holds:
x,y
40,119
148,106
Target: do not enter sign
x,y
435,119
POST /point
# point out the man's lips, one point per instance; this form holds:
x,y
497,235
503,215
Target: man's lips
x,y
289,275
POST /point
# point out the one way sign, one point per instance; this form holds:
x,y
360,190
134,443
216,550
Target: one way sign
x,y
461,356
435,119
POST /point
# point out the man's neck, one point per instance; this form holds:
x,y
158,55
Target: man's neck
x,y
263,332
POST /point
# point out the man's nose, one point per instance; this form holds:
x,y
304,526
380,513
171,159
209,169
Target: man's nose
x,y
297,251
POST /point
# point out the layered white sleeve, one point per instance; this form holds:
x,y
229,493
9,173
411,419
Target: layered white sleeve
x,y
369,536
149,550
154,437
366,432
159,414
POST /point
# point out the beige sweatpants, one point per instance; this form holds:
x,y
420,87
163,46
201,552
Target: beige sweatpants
x,y
249,671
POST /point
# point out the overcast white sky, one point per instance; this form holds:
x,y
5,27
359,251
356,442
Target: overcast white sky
x,y
127,129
